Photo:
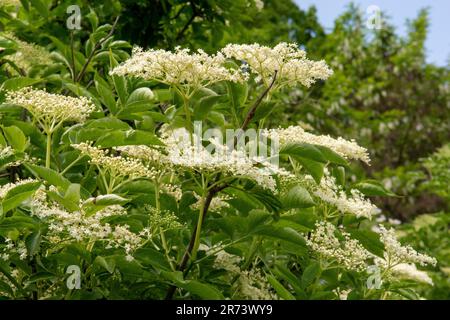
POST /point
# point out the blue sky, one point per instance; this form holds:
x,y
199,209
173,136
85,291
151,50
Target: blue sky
x,y
438,42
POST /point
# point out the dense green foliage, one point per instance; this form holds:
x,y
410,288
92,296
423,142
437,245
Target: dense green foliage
x,y
383,94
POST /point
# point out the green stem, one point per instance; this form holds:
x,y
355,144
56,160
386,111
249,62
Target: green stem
x,y
252,251
49,149
71,165
199,229
188,118
185,98
161,231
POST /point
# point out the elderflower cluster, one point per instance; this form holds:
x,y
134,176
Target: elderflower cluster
x,y
178,68
82,226
251,284
296,134
7,155
217,203
4,189
10,289
162,219
348,252
116,166
143,152
410,271
183,153
355,203
50,109
286,59
14,247
259,4
395,253
6,152
27,54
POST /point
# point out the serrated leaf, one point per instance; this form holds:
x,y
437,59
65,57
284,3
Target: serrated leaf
x,y
16,138
33,242
297,197
373,188
49,175
310,273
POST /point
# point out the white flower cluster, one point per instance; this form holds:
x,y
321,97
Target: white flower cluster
x,y
395,253
173,190
116,166
259,4
178,68
251,284
286,59
217,203
4,189
81,226
296,134
330,192
18,247
409,271
181,152
145,153
51,109
4,290
8,152
27,54
162,219
348,252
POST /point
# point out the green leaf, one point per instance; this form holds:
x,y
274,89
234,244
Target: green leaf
x,y
197,288
310,274
369,240
4,287
18,194
72,196
282,291
373,188
256,218
264,110
303,150
41,7
2,140
108,264
314,168
18,222
163,94
282,233
41,276
16,138
297,197
107,200
332,156
129,137
339,174
33,242
407,293
18,83
119,82
108,123
284,273
81,91
149,256
204,106
49,175
141,95
238,96
106,94
202,290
